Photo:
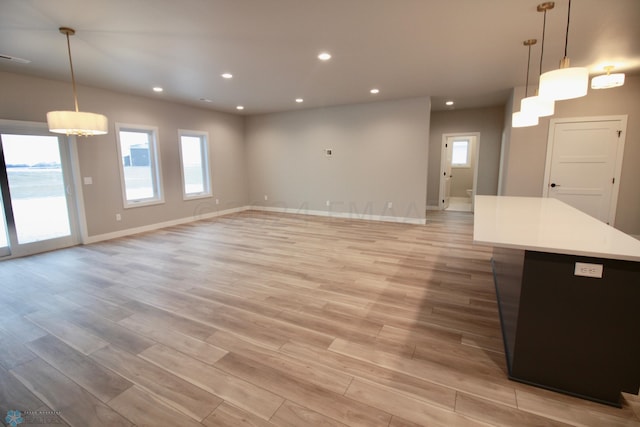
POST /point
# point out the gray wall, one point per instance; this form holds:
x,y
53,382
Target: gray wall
x,y
379,156
487,121
28,99
524,174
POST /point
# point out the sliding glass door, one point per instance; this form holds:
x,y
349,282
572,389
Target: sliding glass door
x,y
37,205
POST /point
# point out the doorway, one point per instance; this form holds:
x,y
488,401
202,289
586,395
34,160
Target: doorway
x,y
37,205
459,171
584,163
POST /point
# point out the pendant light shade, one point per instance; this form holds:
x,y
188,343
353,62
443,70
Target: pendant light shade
x,y
539,106
566,82
76,122
525,117
522,119
608,80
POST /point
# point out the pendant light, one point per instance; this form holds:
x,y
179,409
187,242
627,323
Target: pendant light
x,y
524,118
76,122
541,107
608,80
566,82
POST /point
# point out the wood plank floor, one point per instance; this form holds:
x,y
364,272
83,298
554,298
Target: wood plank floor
x,y
260,319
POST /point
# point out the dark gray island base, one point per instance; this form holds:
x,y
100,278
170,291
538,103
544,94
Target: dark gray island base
x,y
568,333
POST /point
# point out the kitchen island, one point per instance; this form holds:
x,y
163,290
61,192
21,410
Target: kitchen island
x,y
568,290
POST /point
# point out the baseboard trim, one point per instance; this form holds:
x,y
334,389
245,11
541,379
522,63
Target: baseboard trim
x,y
157,226
433,208
137,230
345,215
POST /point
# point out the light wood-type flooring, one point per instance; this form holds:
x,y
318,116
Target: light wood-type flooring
x,y
262,319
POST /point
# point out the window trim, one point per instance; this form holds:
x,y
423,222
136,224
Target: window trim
x,y
467,164
154,160
206,169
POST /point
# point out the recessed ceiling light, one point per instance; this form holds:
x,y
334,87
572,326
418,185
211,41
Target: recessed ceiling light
x,y
227,75
299,100
239,107
375,91
449,103
157,89
205,100
324,56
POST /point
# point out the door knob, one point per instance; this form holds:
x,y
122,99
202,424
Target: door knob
x,y
554,185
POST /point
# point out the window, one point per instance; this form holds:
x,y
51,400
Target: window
x,y
194,155
461,154
139,165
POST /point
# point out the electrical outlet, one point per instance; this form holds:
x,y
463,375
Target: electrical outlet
x,y
328,203
266,197
389,205
118,217
87,180
589,270
217,202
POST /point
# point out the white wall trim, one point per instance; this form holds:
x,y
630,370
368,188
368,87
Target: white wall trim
x,y
434,208
346,215
152,227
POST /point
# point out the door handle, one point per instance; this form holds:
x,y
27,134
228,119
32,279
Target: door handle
x,y
554,185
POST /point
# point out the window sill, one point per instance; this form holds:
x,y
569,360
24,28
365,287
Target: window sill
x,y
142,203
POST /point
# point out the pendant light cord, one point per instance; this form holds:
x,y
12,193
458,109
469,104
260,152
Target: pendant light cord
x,y
73,78
526,88
566,40
544,26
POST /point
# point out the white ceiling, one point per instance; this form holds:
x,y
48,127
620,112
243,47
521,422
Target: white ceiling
x,y
468,50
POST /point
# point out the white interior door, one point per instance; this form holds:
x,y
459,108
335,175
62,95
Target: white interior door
x,y
583,165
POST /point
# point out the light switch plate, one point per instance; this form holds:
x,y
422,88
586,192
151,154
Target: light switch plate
x,y
589,270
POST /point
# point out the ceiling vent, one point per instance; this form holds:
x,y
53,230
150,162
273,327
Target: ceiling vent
x,y
14,59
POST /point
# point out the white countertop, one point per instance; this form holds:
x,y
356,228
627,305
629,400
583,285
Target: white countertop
x,y
548,225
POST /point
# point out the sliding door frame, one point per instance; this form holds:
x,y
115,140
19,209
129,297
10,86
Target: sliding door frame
x,y
71,176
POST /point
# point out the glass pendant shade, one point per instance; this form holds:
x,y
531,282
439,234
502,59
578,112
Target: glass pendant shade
x,y
607,81
77,123
538,106
522,119
564,83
